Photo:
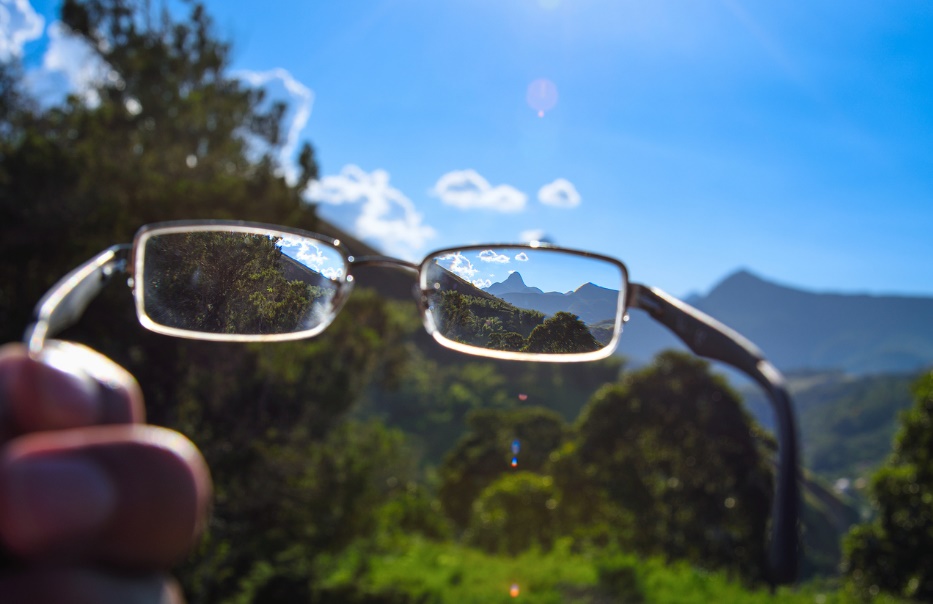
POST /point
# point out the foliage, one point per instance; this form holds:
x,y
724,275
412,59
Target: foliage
x,y
562,333
515,513
486,452
672,445
173,136
483,321
424,571
489,322
894,552
328,484
230,283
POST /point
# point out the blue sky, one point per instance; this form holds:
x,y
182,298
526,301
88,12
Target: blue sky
x,y
687,138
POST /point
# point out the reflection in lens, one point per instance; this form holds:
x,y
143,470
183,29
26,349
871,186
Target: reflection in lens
x,y
523,300
239,283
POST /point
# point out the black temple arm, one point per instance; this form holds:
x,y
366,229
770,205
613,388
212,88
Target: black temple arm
x,y
709,338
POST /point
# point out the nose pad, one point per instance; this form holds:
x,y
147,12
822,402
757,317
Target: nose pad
x,y
421,297
423,300
341,295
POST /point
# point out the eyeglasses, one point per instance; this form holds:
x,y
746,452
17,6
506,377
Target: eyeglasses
x,y
247,282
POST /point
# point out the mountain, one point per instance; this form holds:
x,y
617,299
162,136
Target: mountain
x,y
590,302
797,329
513,285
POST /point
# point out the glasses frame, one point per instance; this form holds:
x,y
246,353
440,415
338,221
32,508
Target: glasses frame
x,y
138,259
66,301
595,355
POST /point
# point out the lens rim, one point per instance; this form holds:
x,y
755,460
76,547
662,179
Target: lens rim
x,y
574,357
137,260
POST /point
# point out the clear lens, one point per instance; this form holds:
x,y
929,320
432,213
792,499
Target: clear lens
x,y
236,282
514,301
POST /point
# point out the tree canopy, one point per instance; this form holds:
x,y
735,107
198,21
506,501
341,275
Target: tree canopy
x,y
894,552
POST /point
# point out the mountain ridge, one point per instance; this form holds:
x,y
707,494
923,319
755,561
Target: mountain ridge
x,y
799,329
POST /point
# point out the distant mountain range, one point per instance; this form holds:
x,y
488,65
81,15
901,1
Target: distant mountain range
x,y
796,329
800,330
592,303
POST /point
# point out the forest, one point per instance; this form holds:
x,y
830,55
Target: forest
x,y
368,465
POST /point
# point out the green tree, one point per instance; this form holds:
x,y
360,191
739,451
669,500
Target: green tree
x,y
486,452
219,282
673,446
173,137
515,512
894,552
562,333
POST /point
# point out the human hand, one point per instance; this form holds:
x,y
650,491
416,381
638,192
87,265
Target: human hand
x,y
94,505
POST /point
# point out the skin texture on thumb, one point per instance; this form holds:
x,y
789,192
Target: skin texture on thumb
x,y
59,585
94,505
125,496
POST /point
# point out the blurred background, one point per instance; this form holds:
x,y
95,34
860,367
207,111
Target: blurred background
x,y
767,163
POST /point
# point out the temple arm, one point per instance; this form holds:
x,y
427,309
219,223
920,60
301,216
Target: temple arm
x,y
711,339
64,304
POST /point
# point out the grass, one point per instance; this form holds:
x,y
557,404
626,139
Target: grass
x,y
424,572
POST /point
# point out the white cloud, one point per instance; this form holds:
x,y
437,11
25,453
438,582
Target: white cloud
x,y
19,24
521,257
70,66
387,217
491,256
332,273
459,265
560,194
299,98
482,283
467,190
308,253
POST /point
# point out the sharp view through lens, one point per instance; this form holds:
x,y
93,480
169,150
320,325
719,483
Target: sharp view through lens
x,y
511,315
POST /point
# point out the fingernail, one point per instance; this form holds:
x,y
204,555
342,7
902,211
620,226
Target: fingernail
x,y
54,500
69,397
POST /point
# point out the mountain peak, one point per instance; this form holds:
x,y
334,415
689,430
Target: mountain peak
x,y
512,285
515,279
741,282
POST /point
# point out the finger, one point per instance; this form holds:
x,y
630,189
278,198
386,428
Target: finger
x,y
69,386
128,496
54,585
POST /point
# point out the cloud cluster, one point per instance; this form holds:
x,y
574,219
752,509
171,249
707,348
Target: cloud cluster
x,y
386,215
467,190
492,256
19,24
299,99
70,66
311,255
559,194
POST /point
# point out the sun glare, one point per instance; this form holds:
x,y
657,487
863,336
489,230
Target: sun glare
x,y
541,96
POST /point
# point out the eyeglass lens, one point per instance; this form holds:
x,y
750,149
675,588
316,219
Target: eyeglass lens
x,y
229,282
527,300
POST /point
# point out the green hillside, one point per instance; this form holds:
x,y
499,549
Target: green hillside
x,y
846,422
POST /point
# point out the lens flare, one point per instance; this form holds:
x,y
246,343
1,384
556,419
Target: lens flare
x,y
541,96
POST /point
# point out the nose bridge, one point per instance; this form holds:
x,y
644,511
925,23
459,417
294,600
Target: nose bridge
x,y
383,262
